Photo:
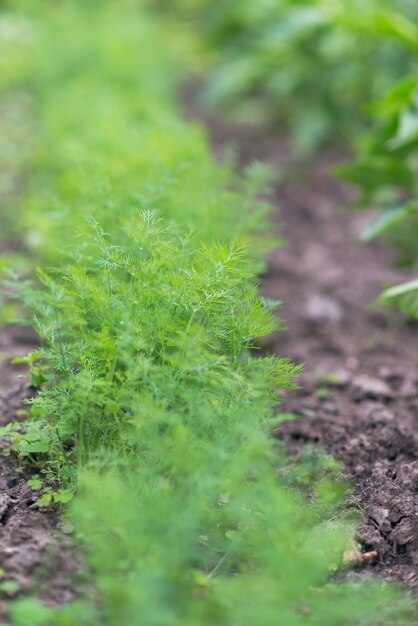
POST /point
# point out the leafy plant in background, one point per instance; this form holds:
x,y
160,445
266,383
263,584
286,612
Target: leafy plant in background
x,y
385,173
312,65
385,170
151,407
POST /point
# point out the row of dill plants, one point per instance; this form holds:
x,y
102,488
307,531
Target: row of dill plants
x,y
151,410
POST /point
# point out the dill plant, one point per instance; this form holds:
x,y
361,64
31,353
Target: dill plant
x,y
146,367
107,137
151,406
143,326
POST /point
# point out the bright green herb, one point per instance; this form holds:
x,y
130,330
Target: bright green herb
x,y
151,406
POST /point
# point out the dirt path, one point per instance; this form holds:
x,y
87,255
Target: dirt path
x,y
34,554
360,385
36,557
359,395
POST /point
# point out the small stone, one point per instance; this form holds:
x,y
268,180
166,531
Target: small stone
x,y
337,378
341,378
380,516
391,373
367,387
12,482
407,476
4,505
375,412
320,309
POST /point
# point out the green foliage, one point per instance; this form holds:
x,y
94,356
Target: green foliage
x,y
178,507
404,296
106,138
146,325
311,64
386,170
150,406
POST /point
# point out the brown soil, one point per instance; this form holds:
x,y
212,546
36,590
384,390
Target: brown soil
x,y
359,389
34,552
359,393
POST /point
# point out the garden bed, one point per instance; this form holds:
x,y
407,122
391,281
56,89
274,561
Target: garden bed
x,y
151,412
36,556
358,396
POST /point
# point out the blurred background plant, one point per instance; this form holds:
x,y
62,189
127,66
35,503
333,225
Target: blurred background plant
x,y
385,170
312,66
328,72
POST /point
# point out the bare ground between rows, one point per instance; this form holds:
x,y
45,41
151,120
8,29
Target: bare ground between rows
x,y
359,389
34,553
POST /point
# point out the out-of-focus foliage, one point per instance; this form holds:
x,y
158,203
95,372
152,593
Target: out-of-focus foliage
x,y
385,173
311,64
149,399
106,128
386,169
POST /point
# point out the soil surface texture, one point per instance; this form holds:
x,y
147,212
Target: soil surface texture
x,y
359,389
36,552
